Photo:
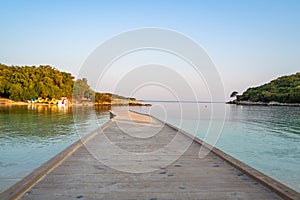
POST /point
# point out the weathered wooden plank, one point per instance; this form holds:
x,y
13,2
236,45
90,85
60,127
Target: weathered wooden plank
x,y
172,177
149,187
150,196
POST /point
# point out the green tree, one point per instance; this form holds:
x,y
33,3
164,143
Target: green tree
x,y
16,92
103,97
233,94
81,90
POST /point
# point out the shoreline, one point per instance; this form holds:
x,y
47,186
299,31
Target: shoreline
x,y
8,102
272,103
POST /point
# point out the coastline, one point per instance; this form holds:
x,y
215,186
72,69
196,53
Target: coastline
x,y
259,103
4,101
8,102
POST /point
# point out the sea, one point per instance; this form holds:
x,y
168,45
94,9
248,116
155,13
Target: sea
x,y
264,137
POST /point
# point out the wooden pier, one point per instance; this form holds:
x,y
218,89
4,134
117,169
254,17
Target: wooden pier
x,y
90,168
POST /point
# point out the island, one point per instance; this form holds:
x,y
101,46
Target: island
x,y
282,91
45,84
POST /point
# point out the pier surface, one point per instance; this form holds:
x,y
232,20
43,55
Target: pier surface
x,y
93,168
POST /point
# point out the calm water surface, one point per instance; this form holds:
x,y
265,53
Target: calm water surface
x,y
31,135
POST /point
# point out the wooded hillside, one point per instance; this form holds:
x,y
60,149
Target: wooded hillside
x,y
285,89
21,83
27,82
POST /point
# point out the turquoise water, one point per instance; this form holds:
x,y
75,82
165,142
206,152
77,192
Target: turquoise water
x,y
31,135
266,138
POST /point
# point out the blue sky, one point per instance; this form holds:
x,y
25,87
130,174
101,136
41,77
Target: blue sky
x,y
250,42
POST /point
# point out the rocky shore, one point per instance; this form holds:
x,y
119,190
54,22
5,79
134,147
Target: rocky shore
x,y
259,103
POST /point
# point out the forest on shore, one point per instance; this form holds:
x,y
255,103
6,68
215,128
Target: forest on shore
x,y
285,89
22,83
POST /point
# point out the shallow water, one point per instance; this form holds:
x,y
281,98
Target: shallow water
x,y
31,135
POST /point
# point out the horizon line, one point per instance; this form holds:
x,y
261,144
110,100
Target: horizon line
x,y
184,101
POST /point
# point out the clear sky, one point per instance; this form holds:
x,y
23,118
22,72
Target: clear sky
x,y
250,42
